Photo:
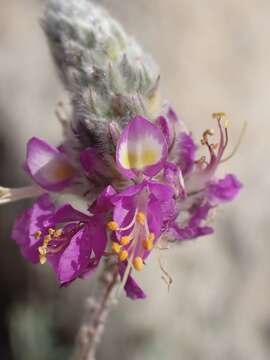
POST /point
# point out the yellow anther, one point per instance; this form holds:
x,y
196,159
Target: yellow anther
x,y
206,134
214,146
226,124
151,236
138,263
42,250
58,233
140,217
123,255
147,244
51,231
116,248
47,238
201,161
218,115
112,225
38,234
124,240
42,259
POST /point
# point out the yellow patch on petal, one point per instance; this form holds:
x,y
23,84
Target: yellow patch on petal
x,y
63,171
131,160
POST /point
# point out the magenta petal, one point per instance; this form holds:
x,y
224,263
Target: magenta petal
x,y
92,162
199,214
189,232
83,252
161,191
166,129
131,191
104,201
132,289
141,148
225,189
48,166
96,231
173,176
195,227
186,155
89,159
72,260
124,211
37,218
154,216
66,213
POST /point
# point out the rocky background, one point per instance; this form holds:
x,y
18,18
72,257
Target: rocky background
x,y
214,56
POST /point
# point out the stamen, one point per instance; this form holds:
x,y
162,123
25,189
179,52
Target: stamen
x,y
58,233
47,238
243,130
140,218
201,161
42,250
42,259
218,115
147,244
112,225
42,254
214,146
138,263
123,255
51,231
38,234
151,236
116,248
125,240
206,133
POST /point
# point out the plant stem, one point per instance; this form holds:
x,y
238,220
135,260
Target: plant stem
x,y
96,314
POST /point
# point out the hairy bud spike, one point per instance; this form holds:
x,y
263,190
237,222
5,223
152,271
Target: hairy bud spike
x,y
106,72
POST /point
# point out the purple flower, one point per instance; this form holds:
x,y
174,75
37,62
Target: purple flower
x,y
148,186
77,251
48,166
141,149
141,211
138,218
31,226
71,241
225,189
194,226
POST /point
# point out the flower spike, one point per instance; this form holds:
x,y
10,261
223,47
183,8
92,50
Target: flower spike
x,y
128,157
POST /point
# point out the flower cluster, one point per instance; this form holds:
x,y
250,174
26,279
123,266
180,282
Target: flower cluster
x,y
151,186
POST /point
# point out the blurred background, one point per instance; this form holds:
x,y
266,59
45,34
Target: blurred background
x,y
213,56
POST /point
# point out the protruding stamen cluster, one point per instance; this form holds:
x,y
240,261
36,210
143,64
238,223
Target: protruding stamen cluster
x,y
132,246
215,157
43,250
